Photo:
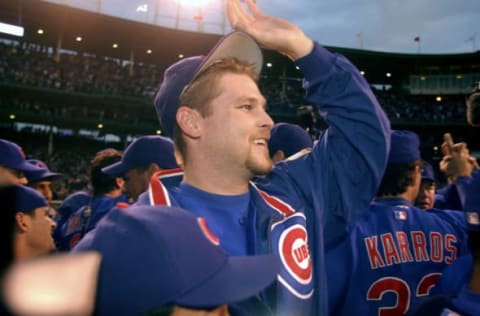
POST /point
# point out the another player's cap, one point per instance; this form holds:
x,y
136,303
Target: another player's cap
x,y
154,256
13,157
43,174
25,199
181,74
427,172
144,151
404,147
289,138
472,204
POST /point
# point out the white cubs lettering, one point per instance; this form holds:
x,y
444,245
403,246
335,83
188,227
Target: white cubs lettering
x,y
385,250
293,249
436,253
373,254
450,240
389,249
419,246
405,253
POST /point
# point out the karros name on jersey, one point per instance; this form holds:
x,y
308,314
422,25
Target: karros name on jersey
x,y
415,246
290,243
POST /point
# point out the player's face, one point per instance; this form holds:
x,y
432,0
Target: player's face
x,y
426,195
41,227
238,127
136,182
10,176
44,187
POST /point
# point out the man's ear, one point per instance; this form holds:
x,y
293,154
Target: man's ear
x,y
278,156
23,221
189,121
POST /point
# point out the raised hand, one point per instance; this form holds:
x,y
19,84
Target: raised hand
x,y
270,32
456,160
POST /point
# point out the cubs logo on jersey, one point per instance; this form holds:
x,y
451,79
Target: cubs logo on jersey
x,y
290,243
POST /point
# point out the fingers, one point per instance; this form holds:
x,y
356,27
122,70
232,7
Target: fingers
x,y
238,17
252,6
447,146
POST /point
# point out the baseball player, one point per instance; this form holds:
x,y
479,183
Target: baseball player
x,y
141,159
426,194
396,252
213,108
139,261
33,225
42,180
459,286
13,164
107,192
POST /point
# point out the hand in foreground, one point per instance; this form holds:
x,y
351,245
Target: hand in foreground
x,y
270,32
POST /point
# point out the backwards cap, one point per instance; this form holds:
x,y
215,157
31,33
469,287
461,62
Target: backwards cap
x,y
236,44
153,256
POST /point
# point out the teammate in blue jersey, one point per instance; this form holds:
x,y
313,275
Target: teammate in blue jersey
x,y
213,108
396,252
86,209
458,290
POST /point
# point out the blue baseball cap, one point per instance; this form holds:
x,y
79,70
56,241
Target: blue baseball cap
x,y
43,174
427,172
13,157
179,75
154,256
404,147
144,151
25,199
289,138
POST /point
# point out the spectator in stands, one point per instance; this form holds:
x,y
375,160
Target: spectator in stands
x,y
106,193
426,195
13,164
142,158
286,140
33,224
42,180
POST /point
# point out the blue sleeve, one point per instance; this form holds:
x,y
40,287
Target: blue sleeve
x,y
338,260
341,175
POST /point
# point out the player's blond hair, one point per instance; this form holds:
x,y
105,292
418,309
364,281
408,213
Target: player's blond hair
x,y
199,93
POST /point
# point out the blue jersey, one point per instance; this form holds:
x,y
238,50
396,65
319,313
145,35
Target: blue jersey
x,y
464,303
83,220
391,256
304,203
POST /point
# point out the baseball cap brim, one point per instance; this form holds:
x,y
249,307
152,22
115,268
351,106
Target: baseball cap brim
x,y
37,176
116,169
239,279
25,166
236,44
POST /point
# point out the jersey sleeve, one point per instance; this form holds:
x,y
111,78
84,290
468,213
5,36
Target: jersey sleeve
x,y
340,176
